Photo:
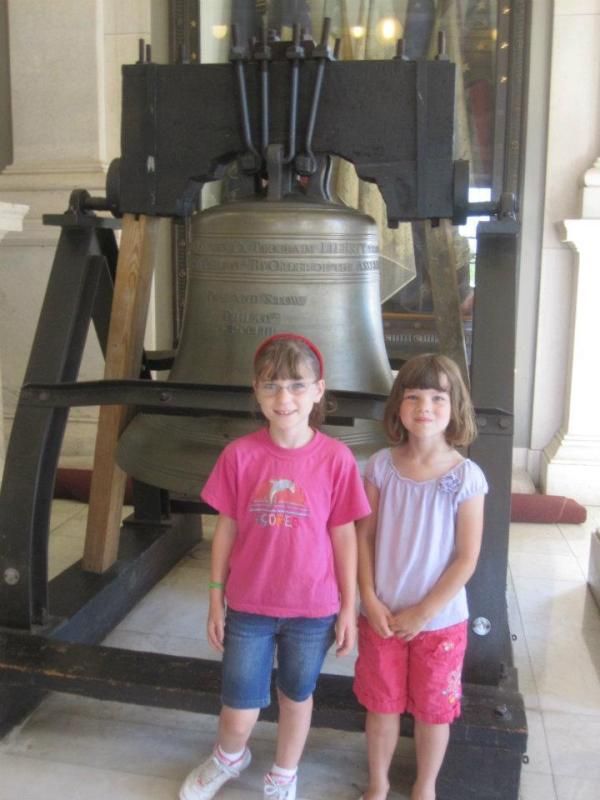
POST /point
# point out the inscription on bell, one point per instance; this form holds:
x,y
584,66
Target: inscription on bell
x,y
278,267
212,246
266,298
251,316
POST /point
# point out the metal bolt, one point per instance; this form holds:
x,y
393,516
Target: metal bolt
x,y
249,163
11,576
305,165
481,626
502,710
164,396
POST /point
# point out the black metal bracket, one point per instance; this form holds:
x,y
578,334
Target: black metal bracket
x,y
79,290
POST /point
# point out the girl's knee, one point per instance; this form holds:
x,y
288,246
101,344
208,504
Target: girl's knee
x,y
238,722
287,702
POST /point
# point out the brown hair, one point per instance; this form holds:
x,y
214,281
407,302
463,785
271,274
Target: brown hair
x,y
425,372
283,359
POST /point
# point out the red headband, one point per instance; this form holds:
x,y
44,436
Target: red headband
x,y
295,337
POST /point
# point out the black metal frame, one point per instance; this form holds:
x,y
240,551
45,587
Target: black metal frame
x,y
81,608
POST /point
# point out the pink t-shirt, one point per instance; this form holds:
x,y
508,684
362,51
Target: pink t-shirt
x,y
285,502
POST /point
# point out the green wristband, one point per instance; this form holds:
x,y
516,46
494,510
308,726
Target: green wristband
x,y
216,585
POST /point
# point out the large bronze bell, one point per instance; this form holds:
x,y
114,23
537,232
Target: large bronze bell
x,y
259,267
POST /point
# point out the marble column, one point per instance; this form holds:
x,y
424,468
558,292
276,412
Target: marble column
x,y
65,89
57,87
11,219
571,462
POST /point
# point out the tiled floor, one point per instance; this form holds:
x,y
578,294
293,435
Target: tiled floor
x,y
76,748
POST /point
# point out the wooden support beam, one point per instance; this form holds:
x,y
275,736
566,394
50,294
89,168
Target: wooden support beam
x,y
123,359
441,265
492,716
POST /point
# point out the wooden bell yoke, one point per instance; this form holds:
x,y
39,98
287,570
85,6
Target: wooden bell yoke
x,y
399,137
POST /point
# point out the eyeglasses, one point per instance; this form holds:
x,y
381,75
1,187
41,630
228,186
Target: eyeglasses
x,y
272,389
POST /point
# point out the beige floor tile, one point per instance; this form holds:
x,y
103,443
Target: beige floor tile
x,y
62,510
547,539
552,607
568,788
27,778
62,552
574,745
566,671
535,786
547,566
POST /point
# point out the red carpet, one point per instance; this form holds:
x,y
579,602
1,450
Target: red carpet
x,y
74,484
546,508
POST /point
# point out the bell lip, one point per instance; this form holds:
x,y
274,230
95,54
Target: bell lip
x,y
137,457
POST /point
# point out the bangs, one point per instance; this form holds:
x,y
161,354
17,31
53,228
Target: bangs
x,y
424,374
285,360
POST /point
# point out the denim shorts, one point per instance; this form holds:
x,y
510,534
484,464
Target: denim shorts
x,y
251,642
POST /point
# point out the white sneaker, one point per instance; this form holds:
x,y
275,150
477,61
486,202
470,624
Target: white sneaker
x,y
280,791
205,781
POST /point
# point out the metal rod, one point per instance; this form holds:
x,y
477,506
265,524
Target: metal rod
x,y
238,58
482,209
317,88
264,82
264,54
441,44
295,53
182,57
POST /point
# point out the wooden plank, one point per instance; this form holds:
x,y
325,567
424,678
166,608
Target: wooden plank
x,y
441,264
123,358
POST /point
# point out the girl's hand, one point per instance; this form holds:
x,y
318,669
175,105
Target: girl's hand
x,y
345,631
406,624
215,626
379,617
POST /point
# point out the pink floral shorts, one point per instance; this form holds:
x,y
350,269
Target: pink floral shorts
x,y
422,676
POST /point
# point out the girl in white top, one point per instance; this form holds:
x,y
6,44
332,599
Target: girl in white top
x,y
417,550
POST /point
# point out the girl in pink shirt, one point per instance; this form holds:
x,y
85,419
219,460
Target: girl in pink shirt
x,y
283,567
417,550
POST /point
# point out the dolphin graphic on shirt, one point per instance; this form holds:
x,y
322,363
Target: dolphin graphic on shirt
x,y
280,485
